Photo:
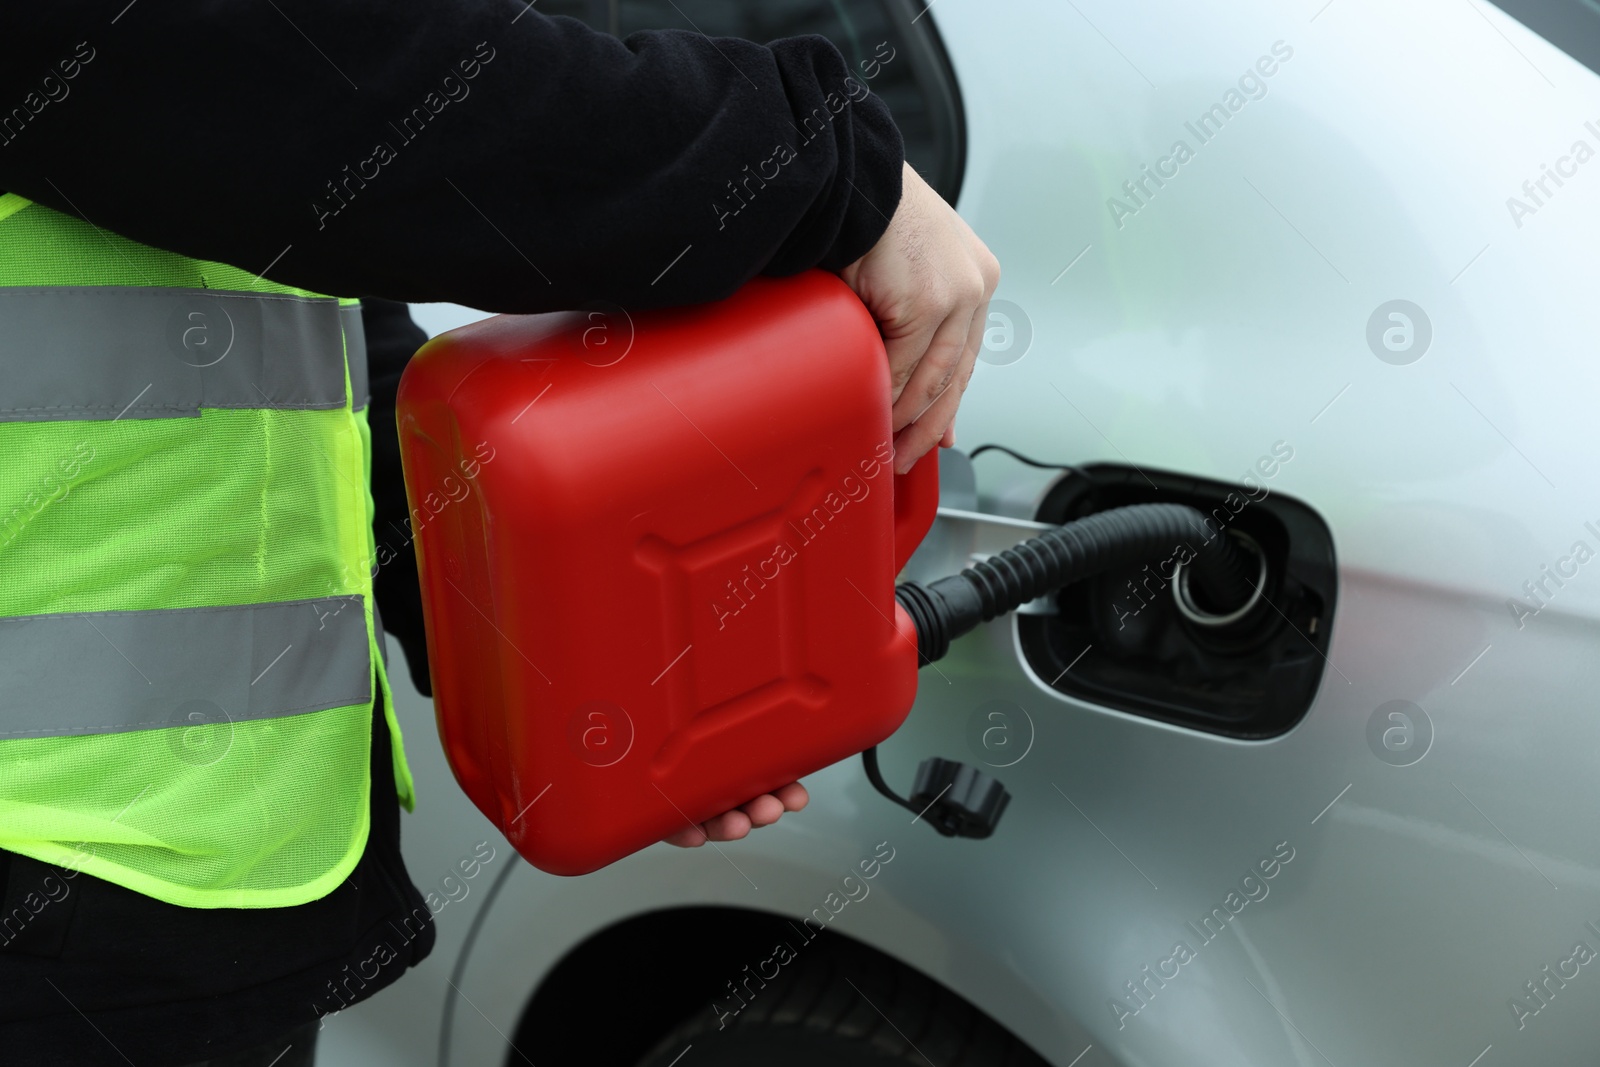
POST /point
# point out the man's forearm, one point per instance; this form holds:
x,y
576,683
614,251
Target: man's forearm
x,y
471,151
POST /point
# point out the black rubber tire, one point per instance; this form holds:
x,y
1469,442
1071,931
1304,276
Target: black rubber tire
x,y
840,1004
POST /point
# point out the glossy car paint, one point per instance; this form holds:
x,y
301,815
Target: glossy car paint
x,y
1227,314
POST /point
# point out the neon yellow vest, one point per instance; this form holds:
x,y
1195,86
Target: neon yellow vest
x,y
188,654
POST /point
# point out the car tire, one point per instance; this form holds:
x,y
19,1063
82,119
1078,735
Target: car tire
x,y
839,1004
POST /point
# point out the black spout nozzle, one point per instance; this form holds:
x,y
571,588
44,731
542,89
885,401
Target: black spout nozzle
x,y
945,609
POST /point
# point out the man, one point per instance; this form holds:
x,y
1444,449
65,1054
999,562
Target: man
x,y
200,832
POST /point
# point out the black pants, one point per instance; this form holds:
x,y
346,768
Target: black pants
x,y
102,975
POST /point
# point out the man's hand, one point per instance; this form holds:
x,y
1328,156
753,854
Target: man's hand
x,y
732,825
927,282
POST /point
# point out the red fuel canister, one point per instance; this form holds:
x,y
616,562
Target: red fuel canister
x,y
658,557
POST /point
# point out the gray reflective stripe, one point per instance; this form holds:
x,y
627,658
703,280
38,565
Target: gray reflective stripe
x,y
355,350
116,671
108,352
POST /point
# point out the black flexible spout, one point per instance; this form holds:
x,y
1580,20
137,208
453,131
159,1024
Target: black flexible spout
x,y
945,609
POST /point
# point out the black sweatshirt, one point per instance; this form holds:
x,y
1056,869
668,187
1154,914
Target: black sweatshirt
x,y
472,151
391,339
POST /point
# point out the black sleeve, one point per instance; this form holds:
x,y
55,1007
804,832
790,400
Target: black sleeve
x,y
472,151
392,338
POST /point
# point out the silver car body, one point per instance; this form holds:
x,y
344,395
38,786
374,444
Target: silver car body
x,y
1411,908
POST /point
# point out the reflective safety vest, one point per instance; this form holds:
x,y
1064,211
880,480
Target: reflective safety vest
x,y
188,653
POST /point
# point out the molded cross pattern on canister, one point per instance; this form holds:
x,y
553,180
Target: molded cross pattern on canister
x,y
658,555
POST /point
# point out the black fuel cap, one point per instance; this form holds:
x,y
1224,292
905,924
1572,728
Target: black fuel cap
x,y
957,800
